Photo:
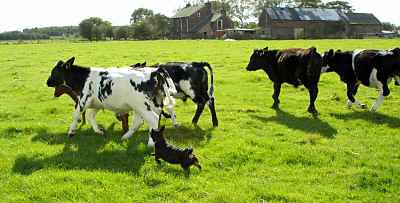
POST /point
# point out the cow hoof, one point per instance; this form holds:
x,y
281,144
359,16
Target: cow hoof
x,y
101,131
177,125
363,106
71,135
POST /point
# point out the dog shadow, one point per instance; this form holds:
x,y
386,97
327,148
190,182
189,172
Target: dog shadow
x,y
372,117
305,124
86,151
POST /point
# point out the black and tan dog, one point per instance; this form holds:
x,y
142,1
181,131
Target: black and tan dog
x,y
172,154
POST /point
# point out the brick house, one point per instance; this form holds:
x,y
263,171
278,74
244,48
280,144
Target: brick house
x,y
315,23
198,21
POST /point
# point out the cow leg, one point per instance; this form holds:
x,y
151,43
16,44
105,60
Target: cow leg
x,y
200,107
76,115
92,120
350,94
275,96
153,120
171,111
211,105
136,124
124,118
357,102
313,91
383,92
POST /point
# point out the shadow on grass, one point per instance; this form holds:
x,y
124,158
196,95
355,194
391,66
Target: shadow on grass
x,y
86,151
306,124
194,136
372,117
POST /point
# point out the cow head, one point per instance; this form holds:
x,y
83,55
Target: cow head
x,y
57,76
259,59
328,61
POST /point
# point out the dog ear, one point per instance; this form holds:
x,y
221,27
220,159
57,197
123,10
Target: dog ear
x,y
162,128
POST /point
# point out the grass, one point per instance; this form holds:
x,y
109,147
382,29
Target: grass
x,y
256,155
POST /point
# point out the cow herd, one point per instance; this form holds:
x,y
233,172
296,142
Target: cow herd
x,y
147,90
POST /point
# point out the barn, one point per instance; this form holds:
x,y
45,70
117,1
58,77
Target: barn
x,y
360,25
198,21
315,23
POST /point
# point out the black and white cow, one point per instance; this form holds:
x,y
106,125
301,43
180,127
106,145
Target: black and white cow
x,y
191,81
372,68
293,66
121,90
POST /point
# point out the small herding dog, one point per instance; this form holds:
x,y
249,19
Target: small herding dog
x,y
172,154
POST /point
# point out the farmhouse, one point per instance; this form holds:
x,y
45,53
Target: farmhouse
x,y
314,23
198,21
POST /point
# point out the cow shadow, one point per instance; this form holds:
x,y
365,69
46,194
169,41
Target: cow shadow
x,y
305,124
372,117
86,151
189,136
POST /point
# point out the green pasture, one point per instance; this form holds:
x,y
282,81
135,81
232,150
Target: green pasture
x,y
256,155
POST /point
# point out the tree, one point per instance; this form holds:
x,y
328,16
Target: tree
x,y
95,28
308,3
341,5
388,26
260,5
122,33
159,25
240,9
141,31
140,14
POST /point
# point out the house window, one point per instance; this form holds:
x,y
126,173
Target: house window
x,y
198,14
220,24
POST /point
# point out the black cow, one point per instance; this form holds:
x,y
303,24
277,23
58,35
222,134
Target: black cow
x,y
191,81
372,68
293,66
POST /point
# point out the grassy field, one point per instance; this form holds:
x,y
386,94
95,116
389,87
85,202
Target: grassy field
x,y
255,155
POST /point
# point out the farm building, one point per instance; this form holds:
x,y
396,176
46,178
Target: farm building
x,y
360,25
314,23
198,21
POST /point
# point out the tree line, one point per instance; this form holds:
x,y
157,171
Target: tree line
x,y
145,24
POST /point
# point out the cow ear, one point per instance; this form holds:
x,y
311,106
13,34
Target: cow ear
x,y
331,52
313,49
143,64
266,49
70,62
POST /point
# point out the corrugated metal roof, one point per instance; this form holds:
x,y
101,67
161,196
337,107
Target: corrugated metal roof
x,y
362,19
303,14
186,12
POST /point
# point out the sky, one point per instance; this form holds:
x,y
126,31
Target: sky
x,y
20,14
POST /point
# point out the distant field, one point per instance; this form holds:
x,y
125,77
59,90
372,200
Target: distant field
x,y
255,155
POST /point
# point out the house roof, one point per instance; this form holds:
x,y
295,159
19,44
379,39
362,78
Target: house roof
x,y
188,11
362,19
303,14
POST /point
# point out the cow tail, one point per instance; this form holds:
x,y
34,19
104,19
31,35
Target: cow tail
x,y
211,90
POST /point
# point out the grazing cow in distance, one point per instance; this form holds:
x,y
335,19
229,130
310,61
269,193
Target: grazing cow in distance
x,y
121,90
372,68
293,66
191,81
